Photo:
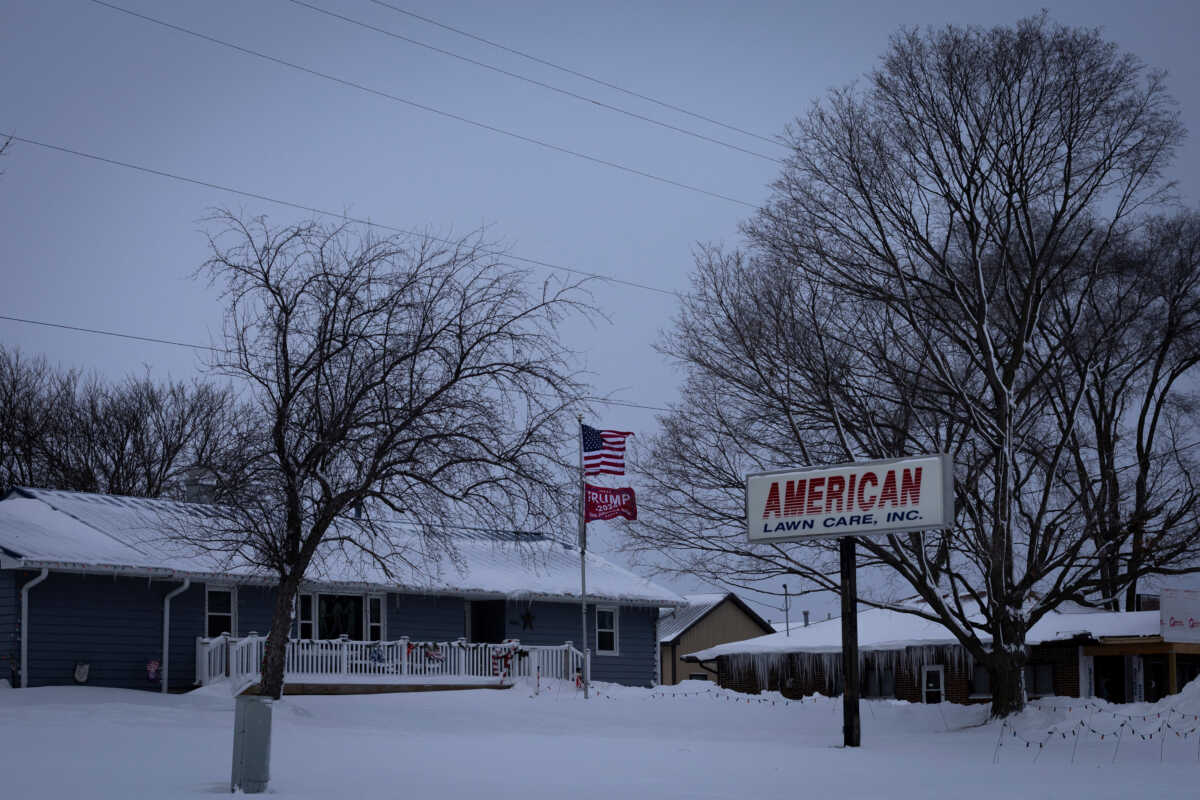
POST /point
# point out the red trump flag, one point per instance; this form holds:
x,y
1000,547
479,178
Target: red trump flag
x,y
605,503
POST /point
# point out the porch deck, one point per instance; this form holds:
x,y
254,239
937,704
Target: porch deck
x,y
332,687
342,666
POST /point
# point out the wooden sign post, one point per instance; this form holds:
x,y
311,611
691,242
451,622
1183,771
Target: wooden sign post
x,y
851,723
867,498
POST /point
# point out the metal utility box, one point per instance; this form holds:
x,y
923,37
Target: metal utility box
x,y
251,745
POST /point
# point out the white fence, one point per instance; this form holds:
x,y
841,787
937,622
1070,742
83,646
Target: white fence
x,y
400,661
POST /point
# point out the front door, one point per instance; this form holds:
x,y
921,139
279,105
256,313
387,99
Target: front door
x,y
932,684
487,621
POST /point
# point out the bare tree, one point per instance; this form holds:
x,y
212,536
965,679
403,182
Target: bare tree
x,y
1134,352
61,430
392,378
928,277
34,398
141,438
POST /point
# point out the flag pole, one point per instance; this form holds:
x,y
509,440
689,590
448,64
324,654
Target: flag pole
x,y
583,557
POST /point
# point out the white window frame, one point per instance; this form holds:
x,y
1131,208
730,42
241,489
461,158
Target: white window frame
x,y
941,671
382,598
616,631
233,605
300,620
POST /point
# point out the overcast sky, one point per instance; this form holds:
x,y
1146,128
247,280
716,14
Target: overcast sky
x,y
102,246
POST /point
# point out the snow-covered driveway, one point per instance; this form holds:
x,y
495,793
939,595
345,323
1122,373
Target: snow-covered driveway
x,y
690,742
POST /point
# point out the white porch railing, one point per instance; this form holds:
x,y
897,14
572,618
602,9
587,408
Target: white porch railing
x,y
212,659
400,661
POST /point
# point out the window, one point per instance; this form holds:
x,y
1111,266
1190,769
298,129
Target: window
x,y
981,682
606,631
697,676
878,680
218,612
375,619
341,615
308,628
1039,679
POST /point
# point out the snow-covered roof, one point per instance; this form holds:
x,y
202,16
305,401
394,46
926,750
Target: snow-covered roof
x,y
673,622
887,629
105,533
678,620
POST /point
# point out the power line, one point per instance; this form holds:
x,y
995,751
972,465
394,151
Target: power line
x,y
576,73
535,82
98,331
323,212
431,109
177,343
590,399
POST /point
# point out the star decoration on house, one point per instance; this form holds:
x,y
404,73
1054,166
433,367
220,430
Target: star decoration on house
x,y
527,620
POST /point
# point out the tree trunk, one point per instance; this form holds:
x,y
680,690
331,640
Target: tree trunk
x,y
1006,666
276,649
1008,696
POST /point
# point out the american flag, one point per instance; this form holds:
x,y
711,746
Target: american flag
x,y
604,451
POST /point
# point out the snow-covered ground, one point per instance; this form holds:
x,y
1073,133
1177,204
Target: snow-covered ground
x,y
691,741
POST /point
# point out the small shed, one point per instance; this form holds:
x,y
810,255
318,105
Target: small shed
x,y
706,621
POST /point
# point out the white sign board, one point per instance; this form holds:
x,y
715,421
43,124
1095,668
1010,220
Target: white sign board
x,y
864,498
1179,615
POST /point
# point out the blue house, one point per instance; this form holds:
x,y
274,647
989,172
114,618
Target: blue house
x,y
93,590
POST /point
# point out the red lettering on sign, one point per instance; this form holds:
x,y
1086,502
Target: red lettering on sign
x,y
910,487
866,503
816,491
772,501
793,498
888,493
833,493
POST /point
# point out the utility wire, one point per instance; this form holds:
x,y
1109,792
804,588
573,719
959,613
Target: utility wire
x,y
176,343
576,73
423,107
535,82
323,212
100,332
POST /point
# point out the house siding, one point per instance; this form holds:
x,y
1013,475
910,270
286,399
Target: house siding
x,y
955,680
788,677
187,625
112,624
425,618
1065,661
725,623
255,608
557,623
115,626
10,636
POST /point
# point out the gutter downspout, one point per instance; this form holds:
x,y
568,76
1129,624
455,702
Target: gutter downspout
x,y
25,624
166,642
